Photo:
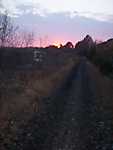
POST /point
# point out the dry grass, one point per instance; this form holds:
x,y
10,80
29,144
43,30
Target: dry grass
x,y
22,92
104,91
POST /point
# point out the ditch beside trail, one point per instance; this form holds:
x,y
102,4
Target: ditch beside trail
x,y
78,117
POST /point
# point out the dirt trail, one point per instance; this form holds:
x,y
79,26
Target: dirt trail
x,y
78,117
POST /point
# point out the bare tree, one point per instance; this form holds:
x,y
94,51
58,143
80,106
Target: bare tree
x,y
28,39
7,29
15,40
22,39
10,36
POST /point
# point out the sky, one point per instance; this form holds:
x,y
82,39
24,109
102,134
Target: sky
x,y
59,21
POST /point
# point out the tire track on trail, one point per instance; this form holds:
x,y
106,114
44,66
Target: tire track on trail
x,y
78,120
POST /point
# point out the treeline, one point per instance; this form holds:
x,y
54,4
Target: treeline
x,y
102,56
11,35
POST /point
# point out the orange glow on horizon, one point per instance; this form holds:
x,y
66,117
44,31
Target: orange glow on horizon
x,y
57,44
56,41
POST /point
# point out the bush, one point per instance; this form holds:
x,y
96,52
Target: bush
x,y
105,64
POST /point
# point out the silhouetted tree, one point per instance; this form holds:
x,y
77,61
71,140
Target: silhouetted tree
x,y
28,39
7,29
61,46
22,39
69,45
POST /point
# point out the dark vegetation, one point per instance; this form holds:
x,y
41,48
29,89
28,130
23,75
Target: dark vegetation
x,y
28,79
102,55
25,79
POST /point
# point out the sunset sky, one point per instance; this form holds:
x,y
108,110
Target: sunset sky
x,y
56,21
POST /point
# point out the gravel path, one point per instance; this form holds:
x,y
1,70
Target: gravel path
x,y
78,117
